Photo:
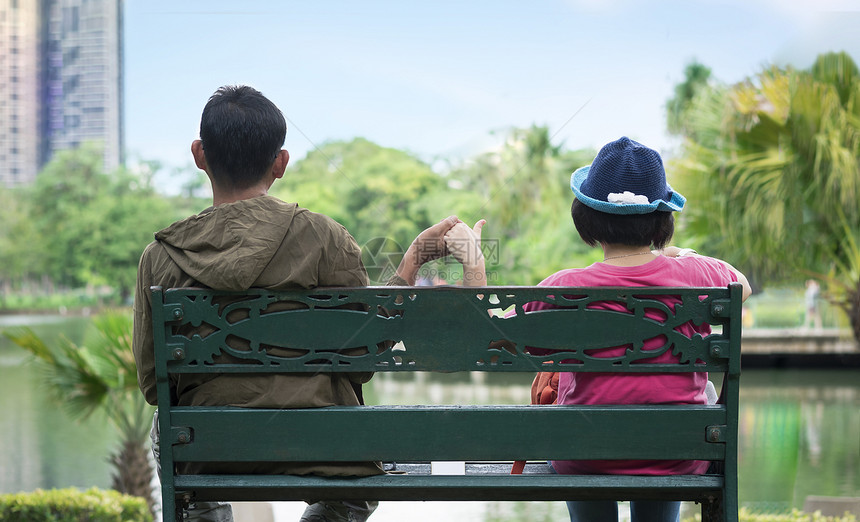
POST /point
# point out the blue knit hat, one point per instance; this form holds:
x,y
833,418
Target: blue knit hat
x,y
626,177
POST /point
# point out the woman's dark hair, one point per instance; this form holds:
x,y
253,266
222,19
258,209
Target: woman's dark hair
x,y
242,133
595,227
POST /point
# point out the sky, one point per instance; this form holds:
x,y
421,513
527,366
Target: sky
x,y
445,80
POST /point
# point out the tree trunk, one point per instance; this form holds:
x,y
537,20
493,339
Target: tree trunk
x,y
133,473
852,308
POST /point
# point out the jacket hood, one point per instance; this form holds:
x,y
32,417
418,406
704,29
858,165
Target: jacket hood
x,y
228,246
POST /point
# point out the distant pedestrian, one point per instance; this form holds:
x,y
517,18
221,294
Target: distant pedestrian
x,y
813,309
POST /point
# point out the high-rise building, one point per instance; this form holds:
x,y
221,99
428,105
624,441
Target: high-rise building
x,y
60,82
19,91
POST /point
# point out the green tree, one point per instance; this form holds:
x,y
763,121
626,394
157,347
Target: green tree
x,y
18,260
101,375
127,215
377,193
64,192
772,168
91,227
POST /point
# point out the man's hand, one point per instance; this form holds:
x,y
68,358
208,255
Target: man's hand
x,y
429,245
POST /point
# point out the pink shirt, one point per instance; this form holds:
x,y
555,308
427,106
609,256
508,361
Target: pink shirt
x,y
641,388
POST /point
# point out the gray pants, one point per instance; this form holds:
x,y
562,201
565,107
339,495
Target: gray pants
x,y
322,511
339,511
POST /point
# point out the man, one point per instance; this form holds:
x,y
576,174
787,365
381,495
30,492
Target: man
x,y
250,239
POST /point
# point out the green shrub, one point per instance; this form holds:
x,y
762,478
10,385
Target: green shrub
x,y
73,505
745,515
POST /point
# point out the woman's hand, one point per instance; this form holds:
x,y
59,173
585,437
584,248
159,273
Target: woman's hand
x,y
673,251
464,244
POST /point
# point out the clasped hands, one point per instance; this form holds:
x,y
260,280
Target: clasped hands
x,y
448,237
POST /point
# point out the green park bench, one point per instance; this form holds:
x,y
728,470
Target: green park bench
x,y
446,329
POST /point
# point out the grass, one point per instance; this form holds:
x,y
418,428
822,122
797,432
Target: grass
x,y
745,515
785,308
64,300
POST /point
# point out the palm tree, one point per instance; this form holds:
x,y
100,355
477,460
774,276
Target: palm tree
x,y
772,167
696,76
101,376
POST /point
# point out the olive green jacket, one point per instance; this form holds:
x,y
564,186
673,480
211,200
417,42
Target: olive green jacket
x,y
263,243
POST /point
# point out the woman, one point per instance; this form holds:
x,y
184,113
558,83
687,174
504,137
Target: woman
x,y
623,204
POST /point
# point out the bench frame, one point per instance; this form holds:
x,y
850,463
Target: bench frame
x,y
446,329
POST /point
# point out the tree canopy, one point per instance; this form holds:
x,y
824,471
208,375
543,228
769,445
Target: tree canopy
x,y
373,191
80,226
385,197
83,226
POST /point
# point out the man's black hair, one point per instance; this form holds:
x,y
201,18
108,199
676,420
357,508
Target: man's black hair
x,y
242,133
595,227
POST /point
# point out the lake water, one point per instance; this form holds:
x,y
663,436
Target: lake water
x,y
799,432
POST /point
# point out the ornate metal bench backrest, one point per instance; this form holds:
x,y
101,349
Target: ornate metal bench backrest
x,y
434,329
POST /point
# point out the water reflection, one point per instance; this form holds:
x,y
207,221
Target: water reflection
x,y
449,388
43,447
799,435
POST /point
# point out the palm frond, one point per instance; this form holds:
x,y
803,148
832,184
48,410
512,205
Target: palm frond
x,y
28,340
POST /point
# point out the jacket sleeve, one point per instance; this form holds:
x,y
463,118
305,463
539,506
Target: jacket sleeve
x,y
142,340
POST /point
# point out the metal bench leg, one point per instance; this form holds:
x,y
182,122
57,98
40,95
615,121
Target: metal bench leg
x,y
712,510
